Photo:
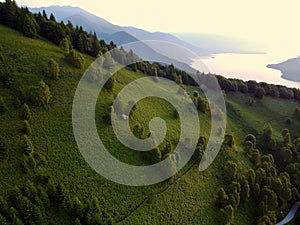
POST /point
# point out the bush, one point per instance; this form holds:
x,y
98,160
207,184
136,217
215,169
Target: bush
x,y
75,59
229,140
39,95
53,69
65,45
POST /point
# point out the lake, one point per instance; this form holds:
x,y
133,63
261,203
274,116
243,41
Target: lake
x,y
246,67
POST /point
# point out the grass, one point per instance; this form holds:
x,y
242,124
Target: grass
x,y
189,200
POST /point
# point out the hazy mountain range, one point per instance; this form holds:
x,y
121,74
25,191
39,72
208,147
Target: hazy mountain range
x,y
209,44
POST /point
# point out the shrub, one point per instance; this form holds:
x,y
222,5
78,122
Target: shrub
x,y
75,59
229,140
65,45
39,95
53,69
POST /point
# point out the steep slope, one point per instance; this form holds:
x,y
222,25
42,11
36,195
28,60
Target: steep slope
x,y
187,199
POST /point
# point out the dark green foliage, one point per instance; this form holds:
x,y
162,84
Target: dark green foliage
x,y
75,59
53,69
221,199
285,92
3,107
259,93
156,155
227,215
27,24
26,112
230,171
3,145
255,157
138,130
229,140
27,128
3,220
251,138
245,189
65,45
286,136
202,105
28,148
268,138
39,95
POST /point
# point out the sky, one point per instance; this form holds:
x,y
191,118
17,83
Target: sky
x,y
271,23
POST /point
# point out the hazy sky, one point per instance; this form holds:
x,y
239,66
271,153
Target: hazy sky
x,y
275,23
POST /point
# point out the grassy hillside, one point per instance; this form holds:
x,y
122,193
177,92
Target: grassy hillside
x,y
187,199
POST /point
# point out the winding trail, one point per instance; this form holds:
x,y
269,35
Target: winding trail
x,y
155,193
290,215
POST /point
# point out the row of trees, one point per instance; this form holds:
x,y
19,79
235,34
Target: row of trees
x,y
32,25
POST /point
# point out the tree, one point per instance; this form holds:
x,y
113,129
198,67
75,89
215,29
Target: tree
x,y
267,133
230,171
39,95
251,138
222,198
75,59
53,69
286,136
27,24
96,46
65,45
229,140
227,215
259,93
245,189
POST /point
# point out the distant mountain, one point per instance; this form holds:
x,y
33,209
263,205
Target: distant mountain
x,y
290,69
123,35
109,31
